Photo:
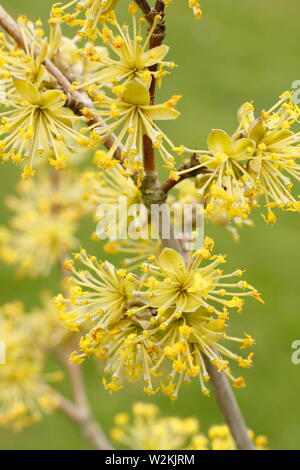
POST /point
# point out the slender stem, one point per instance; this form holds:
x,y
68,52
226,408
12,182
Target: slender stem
x,y
150,187
90,429
229,407
188,165
76,100
149,156
155,40
80,411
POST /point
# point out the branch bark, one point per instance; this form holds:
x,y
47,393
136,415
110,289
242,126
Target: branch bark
x,y
229,407
144,6
152,191
155,40
80,411
188,165
89,428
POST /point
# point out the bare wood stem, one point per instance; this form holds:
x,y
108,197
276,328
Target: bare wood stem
x,y
229,407
89,427
155,40
80,411
144,6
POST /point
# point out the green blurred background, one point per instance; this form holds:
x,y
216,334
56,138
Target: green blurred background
x,y
241,50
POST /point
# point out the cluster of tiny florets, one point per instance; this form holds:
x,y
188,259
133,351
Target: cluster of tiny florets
x,y
260,160
145,429
163,325
25,394
44,223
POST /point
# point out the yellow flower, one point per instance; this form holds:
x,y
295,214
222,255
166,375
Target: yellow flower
x,y
24,394
220,439
132,56
44,222
260,158
192,303
92,11
146,430
37,124
98,294
188,193
275,161
17,62
226,188
188,286
132,117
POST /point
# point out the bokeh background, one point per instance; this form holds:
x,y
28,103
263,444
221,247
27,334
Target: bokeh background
x,y
241,50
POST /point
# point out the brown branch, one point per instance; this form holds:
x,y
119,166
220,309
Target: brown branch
x,y
144,6
188,165
149,155
76,100
229,407
79,411
89,427
155,40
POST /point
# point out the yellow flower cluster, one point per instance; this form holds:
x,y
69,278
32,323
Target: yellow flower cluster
x,y
37,124
260,158
35,121
144,429
23,63
174,314
24,394
86,14
195,6
132,116
129,112
48,331
220,438
46,212
187,193
131,57
106,187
